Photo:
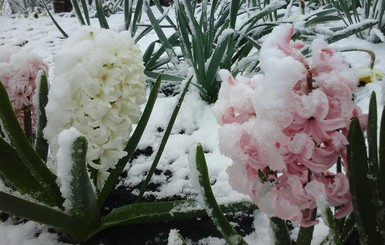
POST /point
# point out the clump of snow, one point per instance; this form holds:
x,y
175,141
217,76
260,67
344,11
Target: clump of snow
x,y
28,233
65,163
174,238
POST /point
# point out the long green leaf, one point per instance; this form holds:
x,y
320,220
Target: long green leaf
x,y
333,229
101,17
41,144
161,35
381,166
360,186
85,11
131,145
15,173
151,212
163,143
78,12
44,215
351,30
227,231
82,197
53,20
281,232
18,140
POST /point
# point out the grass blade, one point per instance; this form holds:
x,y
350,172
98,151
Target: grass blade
x,y
81,197
162,36
149,212
361,186
101,17
43,214
227,231
281,233
41,144
53,20
79,14
163,143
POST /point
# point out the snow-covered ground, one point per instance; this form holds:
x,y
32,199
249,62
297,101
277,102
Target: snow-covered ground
x,y
195,124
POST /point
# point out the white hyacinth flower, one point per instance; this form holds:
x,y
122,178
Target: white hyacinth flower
x,y
98,88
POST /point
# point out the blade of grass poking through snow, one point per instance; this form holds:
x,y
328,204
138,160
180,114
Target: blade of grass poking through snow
x,y
41,144
268,9
381,165
373,149
333,229
78,12
163,143
44,215
281,232
361,187
131,145
53,20
156,60
373,170
101,17
351,30
152,212
127,8
161,35
131,21
14,134
85,11
234,8
210,204
381,175
78,191
162,11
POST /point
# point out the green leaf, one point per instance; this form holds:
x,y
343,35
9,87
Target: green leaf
x,y
83,205
44,215
165,77
161,35
381,166
85,11
151,212
351,30
163,143
281,232
41,144
15,173
17,139
227,231
79,14
333,229
361,186
131,145
53,20
101,17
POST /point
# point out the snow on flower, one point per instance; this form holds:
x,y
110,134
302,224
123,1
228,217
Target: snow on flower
x,y
19,70
285,128
98,87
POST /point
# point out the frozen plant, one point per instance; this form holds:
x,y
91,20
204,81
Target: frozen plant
x,y
19,70
98,88
286,129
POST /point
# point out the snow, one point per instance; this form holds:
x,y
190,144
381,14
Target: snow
x,y
196,120
65,163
